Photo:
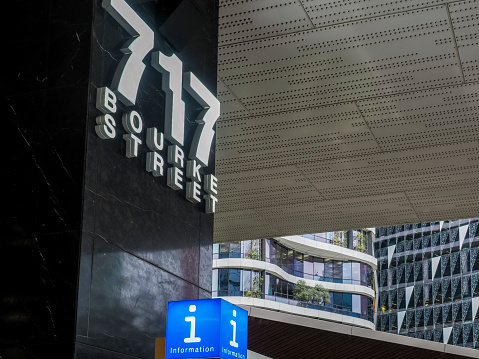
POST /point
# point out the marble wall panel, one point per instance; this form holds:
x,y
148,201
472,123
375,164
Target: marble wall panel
x,y
127,302
39,289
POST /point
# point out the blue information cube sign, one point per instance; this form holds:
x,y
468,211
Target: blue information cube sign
x,y
206,328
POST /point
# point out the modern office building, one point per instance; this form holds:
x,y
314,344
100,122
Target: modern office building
x,y
264,272
428,275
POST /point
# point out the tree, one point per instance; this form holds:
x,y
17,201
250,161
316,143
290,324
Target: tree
x,y
312,295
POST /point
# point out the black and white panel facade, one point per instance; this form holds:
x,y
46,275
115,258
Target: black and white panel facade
x,y
428,276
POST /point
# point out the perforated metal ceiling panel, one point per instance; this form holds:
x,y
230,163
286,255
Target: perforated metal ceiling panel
x,y
346,114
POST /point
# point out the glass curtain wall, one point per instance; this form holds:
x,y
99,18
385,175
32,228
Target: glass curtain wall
x,y
296,263
254,284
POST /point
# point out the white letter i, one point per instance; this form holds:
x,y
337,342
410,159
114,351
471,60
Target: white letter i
x,y
192,338
233,323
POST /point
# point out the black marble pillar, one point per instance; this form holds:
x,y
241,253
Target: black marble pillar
x,y
92,247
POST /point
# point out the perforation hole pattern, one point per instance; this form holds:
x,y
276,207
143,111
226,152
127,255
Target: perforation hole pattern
x,y
345,114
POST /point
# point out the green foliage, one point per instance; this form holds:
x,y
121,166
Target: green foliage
x,y
256,288
340,238
254,251
362,242
312,295
254,254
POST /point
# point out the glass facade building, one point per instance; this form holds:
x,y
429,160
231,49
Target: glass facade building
x,y
428,275
277,283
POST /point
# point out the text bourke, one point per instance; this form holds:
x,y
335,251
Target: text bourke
x,y
124,88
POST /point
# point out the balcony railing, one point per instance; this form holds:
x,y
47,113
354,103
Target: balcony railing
x,y
331,308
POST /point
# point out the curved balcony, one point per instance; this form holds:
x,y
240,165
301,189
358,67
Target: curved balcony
x,y
317,261
304,309
326,250
258,265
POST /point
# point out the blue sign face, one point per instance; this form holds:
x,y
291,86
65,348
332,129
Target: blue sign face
x,y
206,328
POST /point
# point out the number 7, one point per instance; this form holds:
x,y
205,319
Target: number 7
x,y
128,73
203,137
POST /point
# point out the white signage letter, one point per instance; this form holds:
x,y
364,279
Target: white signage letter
x,y
105,100
132,122
193,170
105,127
210,202
132,143
233,323
153,140
203,137
171,69
154,164
173,178
211,183
193,192
192,320
176,156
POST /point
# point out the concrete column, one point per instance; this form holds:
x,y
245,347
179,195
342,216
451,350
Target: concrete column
x,y
370,243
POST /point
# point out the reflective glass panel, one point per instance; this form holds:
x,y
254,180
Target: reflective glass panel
x,y
308,266
347,273
318,268
338,271
356,273
246,280
235,250
328,270
298,264
234,281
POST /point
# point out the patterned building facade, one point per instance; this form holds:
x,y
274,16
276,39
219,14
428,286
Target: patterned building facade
x,y
428,281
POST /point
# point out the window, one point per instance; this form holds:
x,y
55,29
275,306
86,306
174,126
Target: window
x,y
234,282
272,284
328,270
356,272
318,268
224,250
337,299
235,250
370,276
290,290
298,264
273,253
337,271
364,306
267,250
347,301
356,303
223,281
290,262
246,280
347,279
364,274
284,259
251,249
214,280
282,289
308,267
